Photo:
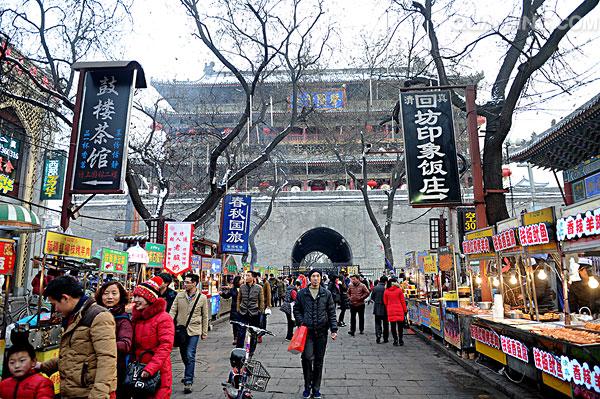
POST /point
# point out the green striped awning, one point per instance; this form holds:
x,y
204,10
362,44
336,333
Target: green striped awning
x,y
16,217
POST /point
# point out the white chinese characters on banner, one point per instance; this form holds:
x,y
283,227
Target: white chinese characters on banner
x,y
566,369
577,226
178,238
236,217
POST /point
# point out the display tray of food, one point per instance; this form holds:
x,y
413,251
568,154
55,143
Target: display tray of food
x,y
570,334
549,316
469,310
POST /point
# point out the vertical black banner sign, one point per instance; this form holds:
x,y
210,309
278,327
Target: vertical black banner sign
x,y
102,141
430,148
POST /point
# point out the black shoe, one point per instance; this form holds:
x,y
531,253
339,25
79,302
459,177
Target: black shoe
x,y
401,343
342,324
362,332
351,333
187,389
395,343
385,341
378,340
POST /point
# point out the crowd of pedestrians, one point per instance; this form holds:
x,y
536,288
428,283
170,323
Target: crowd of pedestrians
x,y
103,334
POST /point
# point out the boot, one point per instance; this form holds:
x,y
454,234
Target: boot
x,y
378,340
395,342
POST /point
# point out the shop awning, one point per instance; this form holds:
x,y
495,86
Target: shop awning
x,y
18,218
576,138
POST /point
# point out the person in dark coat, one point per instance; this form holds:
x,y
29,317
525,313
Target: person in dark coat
x,y
167,293
112,295
234,314
380,312
315,309
340,297
289,299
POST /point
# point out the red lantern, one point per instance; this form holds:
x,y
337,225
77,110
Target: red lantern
x,y
372,183
506,172
264,184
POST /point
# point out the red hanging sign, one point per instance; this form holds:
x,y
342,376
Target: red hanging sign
x,y
7,256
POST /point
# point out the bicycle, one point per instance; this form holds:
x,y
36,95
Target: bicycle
x,y
246,375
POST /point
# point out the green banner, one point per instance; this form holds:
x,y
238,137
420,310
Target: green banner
x,y
53,179
156,254
114,261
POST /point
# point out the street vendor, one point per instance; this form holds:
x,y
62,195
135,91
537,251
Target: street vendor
x,y
581,293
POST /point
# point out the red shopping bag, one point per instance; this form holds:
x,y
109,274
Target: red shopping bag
x,y
298,340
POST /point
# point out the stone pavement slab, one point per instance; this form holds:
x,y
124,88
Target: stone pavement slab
x,y
355,367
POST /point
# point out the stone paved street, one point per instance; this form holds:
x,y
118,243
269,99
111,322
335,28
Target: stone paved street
x,y
354,367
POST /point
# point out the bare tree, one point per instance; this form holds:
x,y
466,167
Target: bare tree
x,y
537,48
42,39
260,39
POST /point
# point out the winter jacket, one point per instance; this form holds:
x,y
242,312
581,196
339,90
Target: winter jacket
x,y
31,386
250,300
153,332
169,296
87,359
266,287
280,288
377,298
290,297
335,291
316,314
124,333
181,311
232,293
357,294
395,303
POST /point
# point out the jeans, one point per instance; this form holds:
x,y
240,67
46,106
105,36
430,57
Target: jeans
x,y
360,309
290,326
397,330
188,356
312,358
379,320
253,321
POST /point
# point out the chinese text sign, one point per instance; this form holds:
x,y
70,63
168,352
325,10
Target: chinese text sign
x,y
235,224
430,148
54,175
114,261
67,245
102,144
178,238
10,152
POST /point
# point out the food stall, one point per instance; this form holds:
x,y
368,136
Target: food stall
x,y
477,250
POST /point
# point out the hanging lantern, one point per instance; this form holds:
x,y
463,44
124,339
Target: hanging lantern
x,y
372,183
506,172
264,184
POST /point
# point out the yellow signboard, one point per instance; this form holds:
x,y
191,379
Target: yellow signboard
x,y
434,318
545,215
66,245
481,233
430,264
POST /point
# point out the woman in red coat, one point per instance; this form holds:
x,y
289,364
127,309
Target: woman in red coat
x,y
153,333
395,305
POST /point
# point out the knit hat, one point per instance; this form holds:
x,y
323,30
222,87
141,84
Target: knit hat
x,y
149,290
313,271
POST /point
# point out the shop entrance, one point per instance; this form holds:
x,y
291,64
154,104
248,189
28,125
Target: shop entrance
x,y
323,248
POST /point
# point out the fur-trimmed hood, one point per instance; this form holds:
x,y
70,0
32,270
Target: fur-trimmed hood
x,y
159,306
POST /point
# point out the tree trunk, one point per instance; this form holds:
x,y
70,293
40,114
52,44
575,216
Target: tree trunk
x,y
495,202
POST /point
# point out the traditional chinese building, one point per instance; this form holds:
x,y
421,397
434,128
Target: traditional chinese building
x,y
345,102
23,134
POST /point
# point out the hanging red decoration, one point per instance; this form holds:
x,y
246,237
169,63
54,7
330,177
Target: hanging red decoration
x,y
506,172
372,183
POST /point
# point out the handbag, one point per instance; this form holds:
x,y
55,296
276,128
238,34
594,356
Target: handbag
x,y
181,335
298,340
137,386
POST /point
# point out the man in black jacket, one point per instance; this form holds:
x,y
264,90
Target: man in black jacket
x,y
379,311
315,309
168,294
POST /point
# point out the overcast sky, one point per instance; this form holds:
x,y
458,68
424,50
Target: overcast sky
x,y
162,41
